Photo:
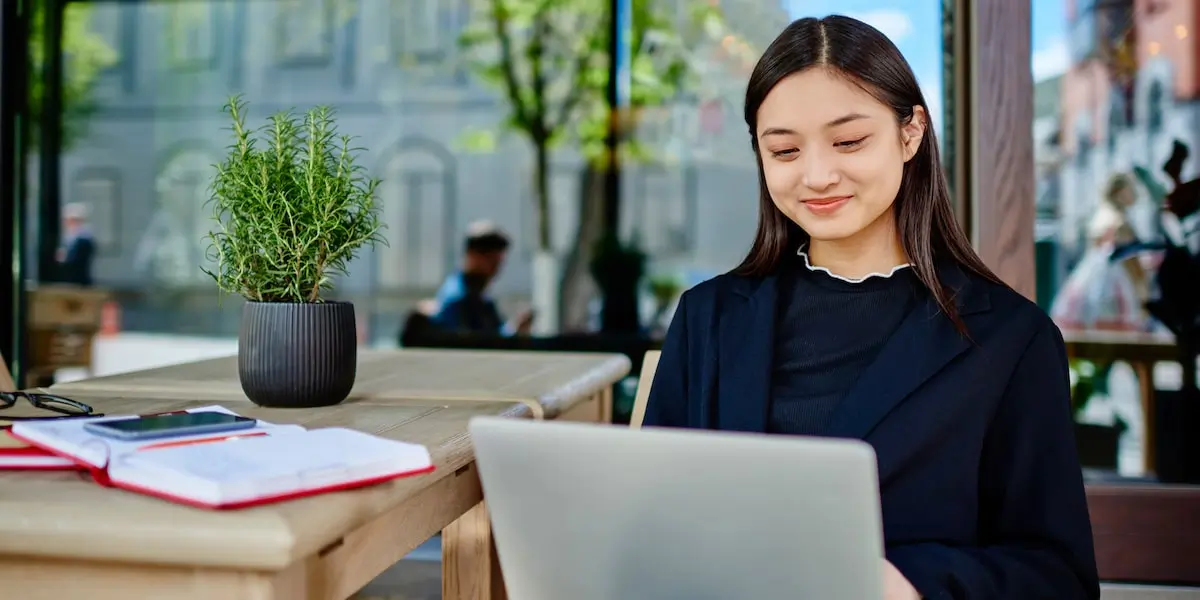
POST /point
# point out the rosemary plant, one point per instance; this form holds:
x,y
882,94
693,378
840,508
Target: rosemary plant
x,y
291,207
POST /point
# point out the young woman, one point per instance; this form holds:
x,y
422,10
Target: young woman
x,y
1101,293
862,311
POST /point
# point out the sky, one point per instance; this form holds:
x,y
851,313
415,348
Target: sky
x,y
915,27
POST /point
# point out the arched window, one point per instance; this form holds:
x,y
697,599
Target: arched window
x,y
174,245
416,205
662,216
99,188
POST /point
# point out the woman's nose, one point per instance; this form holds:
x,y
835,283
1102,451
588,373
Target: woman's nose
x,y
819,171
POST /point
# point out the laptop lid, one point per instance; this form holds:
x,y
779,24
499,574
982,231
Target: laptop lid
x,y
596,512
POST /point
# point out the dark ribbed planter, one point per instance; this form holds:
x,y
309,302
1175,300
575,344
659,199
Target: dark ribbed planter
x,y
1098,445
297,355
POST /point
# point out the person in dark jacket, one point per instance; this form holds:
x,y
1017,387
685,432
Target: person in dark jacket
x,y
463,304
78,248
861,311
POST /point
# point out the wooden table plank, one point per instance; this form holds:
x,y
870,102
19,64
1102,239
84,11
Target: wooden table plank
x,y
556,381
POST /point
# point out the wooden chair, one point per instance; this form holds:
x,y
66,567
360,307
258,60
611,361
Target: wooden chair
x,y
649,366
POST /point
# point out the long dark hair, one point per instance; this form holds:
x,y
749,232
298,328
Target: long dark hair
x,y
925,218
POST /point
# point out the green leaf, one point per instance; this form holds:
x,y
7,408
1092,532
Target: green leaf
x,y
571,49
478,140
291,206
85,56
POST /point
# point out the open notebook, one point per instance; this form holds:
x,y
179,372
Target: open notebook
x,y
268,463
18,455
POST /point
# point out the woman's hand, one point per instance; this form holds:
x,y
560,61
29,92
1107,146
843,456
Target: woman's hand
x,y
896,586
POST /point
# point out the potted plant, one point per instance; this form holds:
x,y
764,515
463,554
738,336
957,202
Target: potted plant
x,y
664,288
291,208
1097,445
617,268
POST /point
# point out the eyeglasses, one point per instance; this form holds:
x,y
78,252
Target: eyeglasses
x,y
65,407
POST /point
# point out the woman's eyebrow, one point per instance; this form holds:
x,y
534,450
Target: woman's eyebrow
x,y
842,120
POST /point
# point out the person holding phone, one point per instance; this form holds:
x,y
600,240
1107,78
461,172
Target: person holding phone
x,y
462,303
861,311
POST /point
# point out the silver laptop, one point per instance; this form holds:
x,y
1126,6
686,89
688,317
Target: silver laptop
x,y
597,512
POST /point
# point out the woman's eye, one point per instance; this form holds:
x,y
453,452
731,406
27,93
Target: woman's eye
x,y
783,153
851,143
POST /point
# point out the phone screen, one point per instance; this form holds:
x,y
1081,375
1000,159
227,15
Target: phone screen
x,y
176,421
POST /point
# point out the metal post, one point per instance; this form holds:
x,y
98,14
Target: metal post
x,y
616,67
50,138
14,61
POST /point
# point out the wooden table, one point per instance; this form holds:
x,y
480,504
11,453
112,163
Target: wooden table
x,y
559,385
1141,351
64,537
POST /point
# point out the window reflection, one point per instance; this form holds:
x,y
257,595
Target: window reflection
x,y
417,208
145,128
1115,99
172,250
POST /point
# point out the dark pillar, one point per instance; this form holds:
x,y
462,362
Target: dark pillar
x,y
50,138
14,60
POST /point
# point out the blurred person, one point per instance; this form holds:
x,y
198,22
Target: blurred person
x,y
463,303
1101,293
75,254
862,311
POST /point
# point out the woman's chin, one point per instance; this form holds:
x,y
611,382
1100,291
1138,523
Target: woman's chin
x,y
832,231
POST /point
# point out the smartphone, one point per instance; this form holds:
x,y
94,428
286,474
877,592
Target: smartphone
x,y
172,425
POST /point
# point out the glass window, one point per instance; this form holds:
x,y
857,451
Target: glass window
x,y
413,82
692,191
418,209
458,126
1112,127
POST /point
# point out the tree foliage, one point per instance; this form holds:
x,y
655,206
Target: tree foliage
x,y
85,56
550,59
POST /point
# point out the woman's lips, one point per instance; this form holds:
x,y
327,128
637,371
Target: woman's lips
x,y
825,206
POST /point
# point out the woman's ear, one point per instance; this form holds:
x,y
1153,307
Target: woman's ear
x,y
912,132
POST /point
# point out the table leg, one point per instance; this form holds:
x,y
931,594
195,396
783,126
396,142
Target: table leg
x,y
470,567
597,408
1145,375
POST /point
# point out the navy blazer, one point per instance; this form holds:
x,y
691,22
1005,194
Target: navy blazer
x,y
982,492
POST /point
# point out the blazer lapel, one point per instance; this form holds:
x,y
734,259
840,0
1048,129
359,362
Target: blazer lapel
x,y
746,348
921,346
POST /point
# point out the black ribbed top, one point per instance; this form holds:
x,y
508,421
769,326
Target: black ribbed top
x,y
828,331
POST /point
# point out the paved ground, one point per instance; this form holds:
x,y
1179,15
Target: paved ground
x,y
418,577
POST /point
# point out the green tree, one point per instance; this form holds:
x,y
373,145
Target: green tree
x,y
550,59
85,56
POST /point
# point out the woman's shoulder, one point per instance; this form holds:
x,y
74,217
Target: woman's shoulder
x,y
718,290
1007,305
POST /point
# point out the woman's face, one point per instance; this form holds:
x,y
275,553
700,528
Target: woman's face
x,y
1126,197
833,155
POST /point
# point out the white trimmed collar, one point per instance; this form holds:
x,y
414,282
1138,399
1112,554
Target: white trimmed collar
x,y
801,252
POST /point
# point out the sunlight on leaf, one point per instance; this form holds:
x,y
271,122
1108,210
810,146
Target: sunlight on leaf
x,y
477,140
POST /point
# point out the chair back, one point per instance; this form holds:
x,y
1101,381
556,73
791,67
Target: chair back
x,y
649,366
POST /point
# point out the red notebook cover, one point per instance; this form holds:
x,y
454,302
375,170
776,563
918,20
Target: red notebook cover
x,y
16,455
248,468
